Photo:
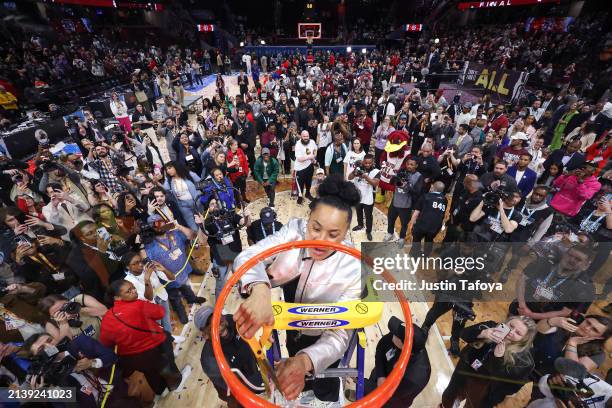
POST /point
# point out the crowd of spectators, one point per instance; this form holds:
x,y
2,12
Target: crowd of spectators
x,y
96,244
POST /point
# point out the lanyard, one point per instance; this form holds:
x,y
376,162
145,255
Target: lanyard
x,y
529,212
590,226
171,242
545,281
43,260
509,215
263,230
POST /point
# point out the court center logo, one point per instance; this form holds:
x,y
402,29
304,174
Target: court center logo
x,y
318,323
317,310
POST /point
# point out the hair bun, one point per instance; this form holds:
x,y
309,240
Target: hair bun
x,y
335,186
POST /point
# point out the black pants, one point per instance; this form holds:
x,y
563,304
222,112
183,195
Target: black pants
x,y
321,157
304,179
325,389
377,153
366,148
367,210
270,192
417,236
251,156
240,188
437,310
404,216
175,296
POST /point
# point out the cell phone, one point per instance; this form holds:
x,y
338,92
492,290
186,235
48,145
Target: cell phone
x,y
577,317
22,240
504,329
104,234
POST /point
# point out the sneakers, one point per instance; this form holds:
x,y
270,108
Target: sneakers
x,y
178,339
300,200
198,300
310,197
401,242
388,237
185,373
357,227
369,236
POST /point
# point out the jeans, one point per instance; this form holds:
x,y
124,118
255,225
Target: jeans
x,y
367,210
221,279
404,216
165,321
187,209
175,296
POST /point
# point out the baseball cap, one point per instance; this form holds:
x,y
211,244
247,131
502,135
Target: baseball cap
x,y
397,327
267,215
201,317
468,105
403,117
265,150
520,135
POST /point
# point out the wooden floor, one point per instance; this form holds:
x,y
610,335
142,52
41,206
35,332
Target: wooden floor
x,y
198,390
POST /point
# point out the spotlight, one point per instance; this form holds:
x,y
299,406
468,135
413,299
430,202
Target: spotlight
x,y
348,49
363,50
242,43
436,41
262,42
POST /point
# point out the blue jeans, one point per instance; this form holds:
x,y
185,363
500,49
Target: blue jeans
x,y
221,279
165,321
187,209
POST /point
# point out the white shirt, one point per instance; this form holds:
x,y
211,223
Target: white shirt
x,y
366,190
519,175
302,151
325,137
350,160
463,118
139,284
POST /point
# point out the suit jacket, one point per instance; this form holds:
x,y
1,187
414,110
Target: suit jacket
x,y
555,157
464,147
527,182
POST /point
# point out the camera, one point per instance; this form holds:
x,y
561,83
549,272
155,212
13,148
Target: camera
x,y
359,170
204,185
48,166
54,371
402,177
491,197
225,225
73,310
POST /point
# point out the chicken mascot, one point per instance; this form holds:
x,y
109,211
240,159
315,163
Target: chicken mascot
x,y
391,160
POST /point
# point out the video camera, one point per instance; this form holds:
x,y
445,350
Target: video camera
x,y
402,177
54,371
491,197
225,225
359,169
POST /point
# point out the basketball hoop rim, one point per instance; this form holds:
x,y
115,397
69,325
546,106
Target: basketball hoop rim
x,y
244,395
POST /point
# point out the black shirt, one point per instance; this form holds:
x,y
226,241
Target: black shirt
x,y
489,226
220,247
432,207
463,206
256,232
142,116
530,221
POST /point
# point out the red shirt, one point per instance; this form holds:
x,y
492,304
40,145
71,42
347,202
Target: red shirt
x,y
364,133
140,314
243,169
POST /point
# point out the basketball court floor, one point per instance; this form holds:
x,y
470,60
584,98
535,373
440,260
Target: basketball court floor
x,y
198,391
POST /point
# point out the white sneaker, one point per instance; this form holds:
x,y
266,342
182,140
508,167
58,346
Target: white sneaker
x,y
185,373
388,237
178,339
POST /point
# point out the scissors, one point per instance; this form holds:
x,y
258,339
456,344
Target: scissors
x,y
258,347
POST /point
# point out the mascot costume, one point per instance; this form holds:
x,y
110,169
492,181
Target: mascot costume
x,y
391,160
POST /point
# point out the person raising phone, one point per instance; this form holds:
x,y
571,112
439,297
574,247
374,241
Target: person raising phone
x,y
312,275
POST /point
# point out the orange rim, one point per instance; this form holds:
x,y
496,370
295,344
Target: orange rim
x,y
243,394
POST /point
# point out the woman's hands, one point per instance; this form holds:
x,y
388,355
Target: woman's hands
x,y
255,312
493,334
291,373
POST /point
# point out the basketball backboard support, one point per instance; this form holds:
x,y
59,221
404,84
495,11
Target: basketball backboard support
x,y
306,30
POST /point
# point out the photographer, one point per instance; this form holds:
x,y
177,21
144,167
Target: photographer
x,y
19,317
472,163
495,352
408,184
222,228
71,363
366,178
8,169
496,215
168,247
72,317
459,224
559,389
24,186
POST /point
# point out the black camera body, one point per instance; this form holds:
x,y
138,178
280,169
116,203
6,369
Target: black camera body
x,y
73,310
401,178
491,198
52,370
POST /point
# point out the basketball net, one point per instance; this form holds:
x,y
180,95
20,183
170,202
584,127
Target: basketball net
x,y
309,39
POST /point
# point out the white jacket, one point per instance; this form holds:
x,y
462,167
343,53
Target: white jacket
x,y
334,279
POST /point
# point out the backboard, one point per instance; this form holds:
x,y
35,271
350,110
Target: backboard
x,y
309,29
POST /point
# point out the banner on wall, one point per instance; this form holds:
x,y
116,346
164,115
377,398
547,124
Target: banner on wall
x,y
554,24
505,83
